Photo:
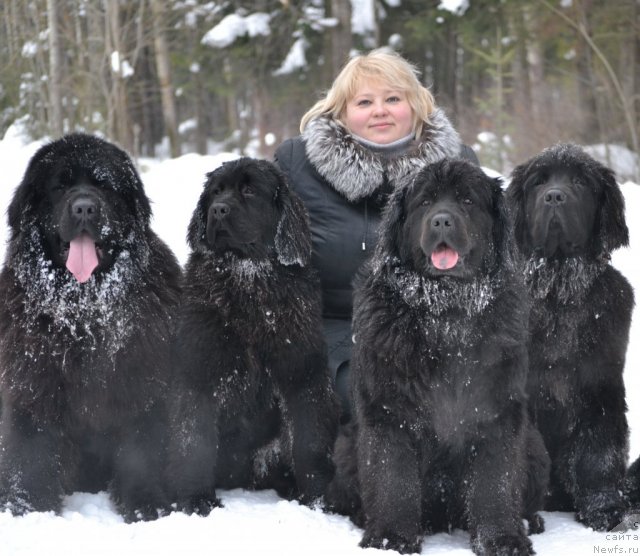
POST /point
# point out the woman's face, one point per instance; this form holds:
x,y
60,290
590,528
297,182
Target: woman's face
x,y
379,113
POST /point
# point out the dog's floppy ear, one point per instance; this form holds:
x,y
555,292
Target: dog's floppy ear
x,y
293,236
515,201
393,217
612,231
503,235
25,195
22,200
197,230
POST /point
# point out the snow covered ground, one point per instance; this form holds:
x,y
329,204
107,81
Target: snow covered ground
x,y
259,523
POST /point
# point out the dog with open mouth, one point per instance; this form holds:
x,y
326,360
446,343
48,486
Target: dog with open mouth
x,y
84,222
441,437
87,300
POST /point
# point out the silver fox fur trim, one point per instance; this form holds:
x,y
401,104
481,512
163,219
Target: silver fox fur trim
x,y
358,172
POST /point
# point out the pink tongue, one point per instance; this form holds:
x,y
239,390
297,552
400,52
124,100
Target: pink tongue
x,y
444,258
82,259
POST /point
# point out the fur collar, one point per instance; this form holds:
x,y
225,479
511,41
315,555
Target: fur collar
x,y
358,172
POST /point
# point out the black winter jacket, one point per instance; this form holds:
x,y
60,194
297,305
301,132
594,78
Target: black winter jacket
x,y
344,187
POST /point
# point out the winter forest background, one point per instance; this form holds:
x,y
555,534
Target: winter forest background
x,y
170,77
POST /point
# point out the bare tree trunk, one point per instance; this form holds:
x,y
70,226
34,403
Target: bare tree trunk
x,y
231,100
526,146
444,61
55,71
40,70
201,128
632,89
164,75
11,27
340,36
593,122
98,75
535,60
499,105
261,101
119,121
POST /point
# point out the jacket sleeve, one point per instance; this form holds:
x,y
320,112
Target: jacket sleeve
x,y
283,158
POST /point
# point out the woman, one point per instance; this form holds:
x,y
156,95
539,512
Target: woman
x,y
375,127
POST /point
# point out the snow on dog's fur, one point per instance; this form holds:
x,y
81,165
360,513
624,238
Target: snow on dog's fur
x,y
254,404
87,296
441,436
569,217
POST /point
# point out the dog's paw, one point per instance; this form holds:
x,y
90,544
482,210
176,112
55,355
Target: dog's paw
x,y
142,512
601,510
392,542
16,507
200,504
536,524
503,545
601,519
314,502
630,521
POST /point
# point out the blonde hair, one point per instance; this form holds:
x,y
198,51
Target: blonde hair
x,y
383,65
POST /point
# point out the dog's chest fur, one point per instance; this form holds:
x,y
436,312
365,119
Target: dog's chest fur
x,y
69,347
559,291
563,324
455,401
445,310
257,302
444,381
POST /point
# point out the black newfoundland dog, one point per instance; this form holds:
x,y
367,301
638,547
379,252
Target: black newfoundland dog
x,y
87,297
568,218
256,407
442,436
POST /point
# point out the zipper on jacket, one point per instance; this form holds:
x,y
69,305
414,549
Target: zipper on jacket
x,y
366,225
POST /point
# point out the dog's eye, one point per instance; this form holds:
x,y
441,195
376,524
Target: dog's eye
x,y
247,190
467,201
539,180
426,202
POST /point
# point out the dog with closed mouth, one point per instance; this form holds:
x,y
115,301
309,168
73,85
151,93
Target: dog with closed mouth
x,y
254,405
569,216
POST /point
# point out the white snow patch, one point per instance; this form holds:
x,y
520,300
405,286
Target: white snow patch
x,y
296,58
363,19
458,7
120,65
233,26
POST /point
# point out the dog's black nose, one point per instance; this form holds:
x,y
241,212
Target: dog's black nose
x,y
441,221
220,210
84,209
555,197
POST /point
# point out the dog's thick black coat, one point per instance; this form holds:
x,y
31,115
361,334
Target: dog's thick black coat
x,y
568,216
84,360
255,405
441,432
